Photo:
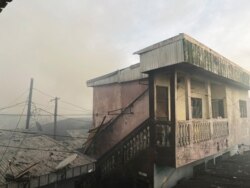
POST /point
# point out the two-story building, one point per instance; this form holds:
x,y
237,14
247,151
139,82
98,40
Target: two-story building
x,y
154,122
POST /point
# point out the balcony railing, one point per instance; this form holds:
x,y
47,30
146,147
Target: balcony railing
x,y
220,129
196,131
163,130
184,132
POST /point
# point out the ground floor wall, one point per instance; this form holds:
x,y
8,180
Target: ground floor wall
x,y
168,177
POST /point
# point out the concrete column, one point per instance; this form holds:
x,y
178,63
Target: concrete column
x,y
188,97
209,101
173,97
209,106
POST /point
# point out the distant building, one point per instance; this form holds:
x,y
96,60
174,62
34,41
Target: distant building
x,y
39,161
182,105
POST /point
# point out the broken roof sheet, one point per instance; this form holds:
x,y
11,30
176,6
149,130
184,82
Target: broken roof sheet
x,y
39,154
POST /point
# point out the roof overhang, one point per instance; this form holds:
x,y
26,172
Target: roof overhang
x,y
183,48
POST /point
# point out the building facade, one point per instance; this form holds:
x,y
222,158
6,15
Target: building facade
x,y
182,105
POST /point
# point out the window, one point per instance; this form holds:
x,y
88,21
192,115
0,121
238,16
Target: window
x,y
162,102
218,108
243,108
196,107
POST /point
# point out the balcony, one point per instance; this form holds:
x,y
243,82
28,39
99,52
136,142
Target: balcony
x,y
196,131
198,139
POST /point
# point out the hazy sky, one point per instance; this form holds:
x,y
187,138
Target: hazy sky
x,y
62,43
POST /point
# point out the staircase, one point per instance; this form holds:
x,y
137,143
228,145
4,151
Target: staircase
x,y
131,159
126,150
111,165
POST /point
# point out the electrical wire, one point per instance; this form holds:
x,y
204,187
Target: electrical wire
x,y
12,106
40,133
74,105
17,98
43,93
50,96
7,146
19,120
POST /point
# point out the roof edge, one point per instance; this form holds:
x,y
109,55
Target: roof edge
x,y
160,44
120,76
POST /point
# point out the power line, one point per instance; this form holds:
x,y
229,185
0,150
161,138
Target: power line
x,y
12,135
75,105
40,133
24,115
69,116
43,93
12,106
71,104
17,98
7,146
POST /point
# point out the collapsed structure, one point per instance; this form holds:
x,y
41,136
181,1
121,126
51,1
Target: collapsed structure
x,y
182,105
39,161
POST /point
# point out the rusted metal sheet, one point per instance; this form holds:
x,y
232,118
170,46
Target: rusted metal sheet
x,y
131,73
205,58
105,79
184,49
163,56
124,75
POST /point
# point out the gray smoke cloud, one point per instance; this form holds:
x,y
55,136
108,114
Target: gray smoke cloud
x,y
62,44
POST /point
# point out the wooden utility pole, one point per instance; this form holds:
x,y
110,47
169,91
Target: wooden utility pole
x,y
55,116
29,105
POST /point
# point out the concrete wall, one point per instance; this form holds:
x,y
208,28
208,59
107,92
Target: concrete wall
x,y
115,96
105,99
239,128
181,92
112,97
166,177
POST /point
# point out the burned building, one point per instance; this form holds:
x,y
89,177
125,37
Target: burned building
x,y
182,105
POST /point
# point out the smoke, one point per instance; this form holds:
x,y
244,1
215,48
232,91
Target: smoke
x,y
62,44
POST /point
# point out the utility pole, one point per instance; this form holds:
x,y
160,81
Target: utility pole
x,y
29,105
3,4
55,116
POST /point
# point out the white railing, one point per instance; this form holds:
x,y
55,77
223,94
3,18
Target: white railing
x,y
196,131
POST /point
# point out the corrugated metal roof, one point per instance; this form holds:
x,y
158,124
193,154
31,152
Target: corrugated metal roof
x,y
45,160
124,75
161,44
179,49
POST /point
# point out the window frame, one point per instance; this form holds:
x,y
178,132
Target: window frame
x,y
243,108
159,101
220,108
200,114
